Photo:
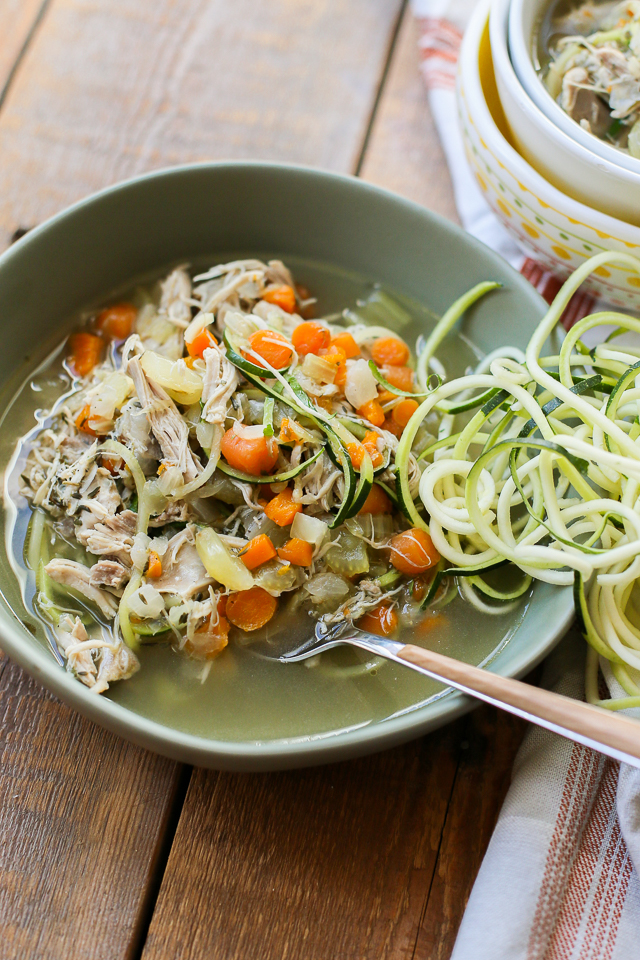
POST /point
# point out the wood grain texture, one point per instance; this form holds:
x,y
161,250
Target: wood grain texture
x,y
111,88
83,815
404,152
17,19
323,863
491,740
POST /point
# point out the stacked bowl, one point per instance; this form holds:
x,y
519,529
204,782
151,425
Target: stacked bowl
x,y
563,193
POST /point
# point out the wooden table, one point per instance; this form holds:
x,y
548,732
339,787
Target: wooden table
x,y
110,852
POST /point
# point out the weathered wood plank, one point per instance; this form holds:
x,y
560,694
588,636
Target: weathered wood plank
x,y
491,740
323,863
115,87
17,20
404,152
83,815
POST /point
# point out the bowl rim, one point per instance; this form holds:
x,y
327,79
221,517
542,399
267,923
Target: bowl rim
x,y
498,27
245,755
470,89
520,58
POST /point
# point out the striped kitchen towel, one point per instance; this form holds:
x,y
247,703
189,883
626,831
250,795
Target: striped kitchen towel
x,y
560,877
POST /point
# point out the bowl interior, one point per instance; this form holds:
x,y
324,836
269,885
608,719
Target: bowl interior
x,y
524,21
186,214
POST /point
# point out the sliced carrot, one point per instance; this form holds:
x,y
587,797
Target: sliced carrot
x,y
155,565
373,412
201,342
297,551
390,350
356,452
82,421
209,640
400,377
310,337
370,443
222,604
385,396
282,509
340,378
256,456
84,352
377,502
428,623
259,551
333,354
116,322
403,411
382,620
393,427
251,609
272,347
346,342
282,296
413,551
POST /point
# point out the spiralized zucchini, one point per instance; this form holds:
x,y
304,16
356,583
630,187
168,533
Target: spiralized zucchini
x,y
543,470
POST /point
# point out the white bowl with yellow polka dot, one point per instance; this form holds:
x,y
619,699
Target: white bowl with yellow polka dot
x,y
557,231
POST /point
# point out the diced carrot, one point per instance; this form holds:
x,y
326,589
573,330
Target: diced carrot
x,y
155,565
403,412
84,352
325,402
370,443
340,378
210,639
282,296
413,551
310,337
116,322
393,427
382,620
297,551
201,342
428,623
272,347
373,412
390,350
282,509
356,452
346,342
287,434
256,456
259,550
251,609
385,396
333,354
400,377
377,502
113,464
82,421
222,604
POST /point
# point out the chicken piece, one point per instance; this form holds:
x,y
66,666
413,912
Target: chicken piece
x,y
176,291
183,571
169,428
70,632
583,104
108,573
220,381
70,573
111,537
119,664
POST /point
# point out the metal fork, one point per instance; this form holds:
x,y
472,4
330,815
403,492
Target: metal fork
x,y
615,735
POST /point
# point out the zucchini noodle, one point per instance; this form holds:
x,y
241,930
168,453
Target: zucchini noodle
x,y
543,471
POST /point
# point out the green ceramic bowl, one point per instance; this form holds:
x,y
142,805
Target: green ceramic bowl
x,y
101,243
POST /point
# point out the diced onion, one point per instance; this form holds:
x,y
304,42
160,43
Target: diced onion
x,y
140,550
361,385
183,384
227,569
110,395
327,588
310,529
197,325
255,432
319,369
146,602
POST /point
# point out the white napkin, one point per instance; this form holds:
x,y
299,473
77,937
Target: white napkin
x,y
559,880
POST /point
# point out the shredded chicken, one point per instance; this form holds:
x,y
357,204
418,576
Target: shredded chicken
x,y
75,575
